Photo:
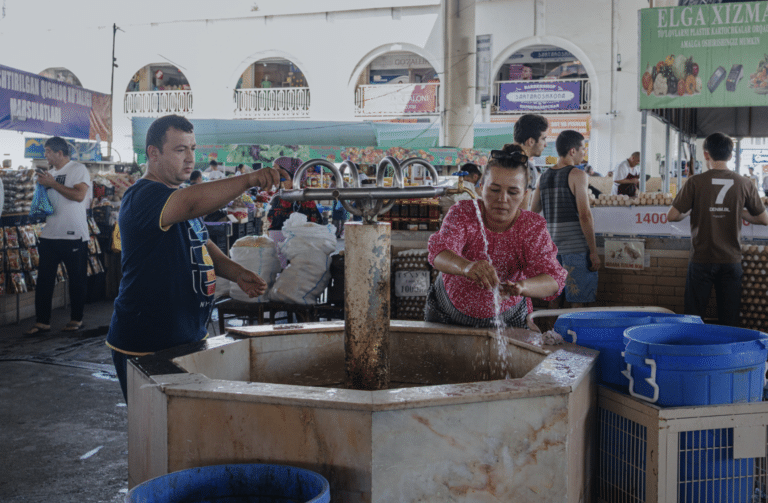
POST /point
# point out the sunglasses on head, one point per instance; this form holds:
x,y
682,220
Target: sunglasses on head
x,y
504,156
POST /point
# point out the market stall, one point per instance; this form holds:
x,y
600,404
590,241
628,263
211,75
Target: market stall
x,y
35,104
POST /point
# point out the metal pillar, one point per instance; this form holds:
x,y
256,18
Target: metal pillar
x,y
643,136
737,160
366,304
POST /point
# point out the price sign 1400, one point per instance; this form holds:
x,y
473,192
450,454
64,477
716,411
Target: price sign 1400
x,y
651,218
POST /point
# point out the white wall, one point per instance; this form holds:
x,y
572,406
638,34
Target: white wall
x,y
331,41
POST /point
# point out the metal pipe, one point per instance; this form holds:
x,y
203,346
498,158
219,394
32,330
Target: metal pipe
x,y
361,194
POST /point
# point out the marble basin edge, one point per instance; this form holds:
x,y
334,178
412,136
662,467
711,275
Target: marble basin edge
x,y
560,371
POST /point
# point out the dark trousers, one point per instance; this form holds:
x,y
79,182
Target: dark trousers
x,y
74,254
121,368
726,278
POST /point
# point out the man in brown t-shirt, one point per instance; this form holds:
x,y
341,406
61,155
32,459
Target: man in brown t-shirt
x,y
717,200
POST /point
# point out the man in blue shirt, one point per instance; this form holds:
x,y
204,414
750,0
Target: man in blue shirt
x,y
169,265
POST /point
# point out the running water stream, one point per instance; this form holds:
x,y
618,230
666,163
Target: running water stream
x,y
498,322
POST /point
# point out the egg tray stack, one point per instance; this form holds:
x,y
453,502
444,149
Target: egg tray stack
x,y
19,186
754,287
411,308
641,199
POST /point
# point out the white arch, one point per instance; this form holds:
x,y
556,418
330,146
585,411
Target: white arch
x,y
270,53
504,54
393,47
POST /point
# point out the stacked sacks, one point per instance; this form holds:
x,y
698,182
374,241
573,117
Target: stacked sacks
x,y
307,247
257,254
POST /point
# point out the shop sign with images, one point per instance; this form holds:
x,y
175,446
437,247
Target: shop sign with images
x,y
34,148
708,55
539,95
624,254
400,98
35,104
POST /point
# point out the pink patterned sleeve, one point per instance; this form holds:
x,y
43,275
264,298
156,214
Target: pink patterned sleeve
x,y
541,255
451,236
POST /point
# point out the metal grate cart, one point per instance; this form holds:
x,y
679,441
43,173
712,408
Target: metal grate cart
x,y
709,454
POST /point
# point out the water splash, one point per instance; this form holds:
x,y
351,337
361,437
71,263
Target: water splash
x,y
498,322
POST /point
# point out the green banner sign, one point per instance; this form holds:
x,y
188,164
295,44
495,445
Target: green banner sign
x,y
701,56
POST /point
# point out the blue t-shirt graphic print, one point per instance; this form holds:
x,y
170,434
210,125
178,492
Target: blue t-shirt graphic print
x,y
167,291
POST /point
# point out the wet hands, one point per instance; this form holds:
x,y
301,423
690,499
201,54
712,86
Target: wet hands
x,y
482,274
250,283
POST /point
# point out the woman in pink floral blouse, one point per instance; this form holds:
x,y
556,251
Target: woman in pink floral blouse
x,y
521,259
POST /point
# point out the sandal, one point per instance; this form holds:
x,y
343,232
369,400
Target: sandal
x,y
73,326
38,328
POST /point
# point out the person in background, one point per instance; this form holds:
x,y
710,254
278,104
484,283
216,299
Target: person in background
x,y
563,196
169,265
280,210
65,236
765,184
240,169
717,200
213,172
519,259
752,176
626,176
195,177
470,181
530,133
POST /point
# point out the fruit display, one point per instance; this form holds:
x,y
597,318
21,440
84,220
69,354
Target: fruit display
x,y
759,80
675,75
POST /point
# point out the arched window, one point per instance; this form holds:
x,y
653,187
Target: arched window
x,y
158,89
398,84
272,88
61,74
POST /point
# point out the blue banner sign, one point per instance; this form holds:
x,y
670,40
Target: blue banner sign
x,y
36,104
539,95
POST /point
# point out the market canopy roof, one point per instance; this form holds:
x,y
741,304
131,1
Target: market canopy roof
x,y
325,133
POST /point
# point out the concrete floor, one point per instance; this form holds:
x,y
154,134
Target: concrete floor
x,y
63,420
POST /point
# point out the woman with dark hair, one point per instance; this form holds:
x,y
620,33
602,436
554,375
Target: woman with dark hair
x,y
498,246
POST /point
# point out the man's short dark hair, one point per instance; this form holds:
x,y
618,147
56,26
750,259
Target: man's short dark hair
x,y
529,126
213,163
196,174
58,144
719,146
472,169
567,140
158,129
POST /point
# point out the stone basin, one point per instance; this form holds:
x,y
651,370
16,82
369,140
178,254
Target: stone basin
x,y
469,416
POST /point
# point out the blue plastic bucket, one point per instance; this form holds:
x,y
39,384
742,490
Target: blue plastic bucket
x,y
604,331
247,483
696,364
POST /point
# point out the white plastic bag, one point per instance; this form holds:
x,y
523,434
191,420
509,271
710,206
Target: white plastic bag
x,y
257,254
223,285
307,247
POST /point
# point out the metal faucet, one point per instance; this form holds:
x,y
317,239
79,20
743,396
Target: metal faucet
x,y
460,186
